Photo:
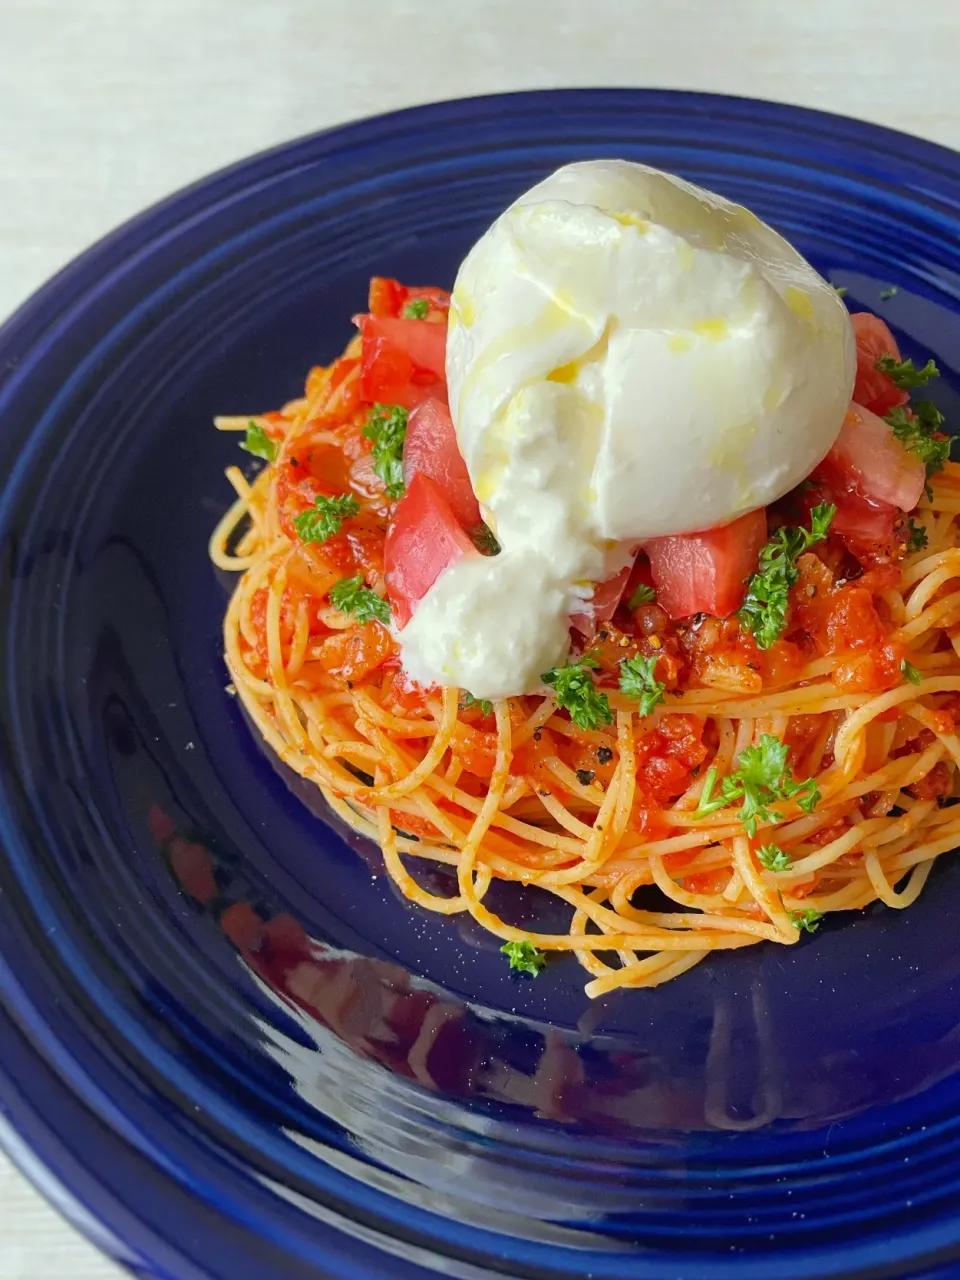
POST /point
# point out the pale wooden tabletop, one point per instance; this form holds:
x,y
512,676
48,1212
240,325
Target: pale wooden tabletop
x,y
118,104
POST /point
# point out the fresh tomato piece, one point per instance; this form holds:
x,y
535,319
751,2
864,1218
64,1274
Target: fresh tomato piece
x,y
423,539
389,297
864,525
476,751
867,459
874,390
401,360
352,654
872,671
431,448
707,572
936,785
403,695
852,621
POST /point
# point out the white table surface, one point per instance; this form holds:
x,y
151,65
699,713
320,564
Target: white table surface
x,y
110,104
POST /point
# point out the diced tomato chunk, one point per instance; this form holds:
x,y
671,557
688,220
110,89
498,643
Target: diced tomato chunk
x,y
400,360
431,447
871,671
423,539
852,621
867,459
707,882
706,572
389,297
874,390
476,751
936,785
863,524
354,653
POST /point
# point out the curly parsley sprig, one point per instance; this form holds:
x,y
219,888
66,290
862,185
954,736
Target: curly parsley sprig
x,y
916,535
387,428
349,595
905,374
917,427
808,920
638,680
575,691
774,858
764,610
762,779
325,517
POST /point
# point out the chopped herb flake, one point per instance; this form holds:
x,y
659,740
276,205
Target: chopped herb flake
x,y
642,595
257,442
917,540
467,700
808,920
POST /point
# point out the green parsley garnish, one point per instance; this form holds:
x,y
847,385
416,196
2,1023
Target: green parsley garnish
x,y
257,442
638,680
467,700
387,429
841,290
910,672
918,536
890,292
906,374
325,518
762,779
349,595
773,858
764,611
809,919
574,690
642,595
915,429
524,957
416,309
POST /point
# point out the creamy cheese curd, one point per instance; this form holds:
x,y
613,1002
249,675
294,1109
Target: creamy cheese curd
x,y
628,356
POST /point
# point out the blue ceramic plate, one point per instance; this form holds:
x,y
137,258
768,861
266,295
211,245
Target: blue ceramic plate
x,y
226,1045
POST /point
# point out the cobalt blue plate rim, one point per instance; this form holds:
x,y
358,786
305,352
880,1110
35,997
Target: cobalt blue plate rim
x,y
138,1191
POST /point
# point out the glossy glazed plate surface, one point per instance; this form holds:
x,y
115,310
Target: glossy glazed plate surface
x,y
220,1031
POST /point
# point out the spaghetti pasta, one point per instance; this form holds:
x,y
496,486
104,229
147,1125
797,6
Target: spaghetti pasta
x,y
603,818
